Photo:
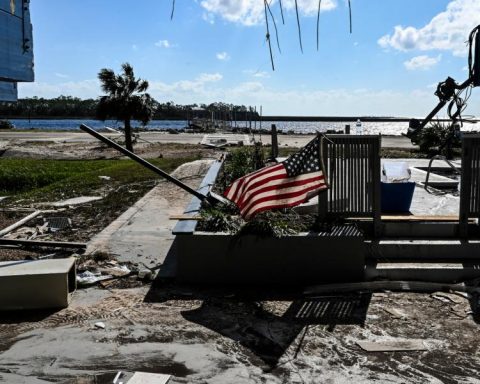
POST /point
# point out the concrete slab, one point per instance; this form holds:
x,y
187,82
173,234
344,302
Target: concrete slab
x,y
149,378
141,234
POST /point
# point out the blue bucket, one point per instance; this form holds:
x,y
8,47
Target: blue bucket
x,y
397,197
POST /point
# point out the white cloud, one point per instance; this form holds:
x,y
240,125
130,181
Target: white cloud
x,y
207,88
224,56
135,47
185,87
446,31
423,62
61,75
251,12
209,77
163,44
257,74
82,89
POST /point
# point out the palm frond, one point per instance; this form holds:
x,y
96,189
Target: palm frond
x,y
298,26
268,35
274,25
318,23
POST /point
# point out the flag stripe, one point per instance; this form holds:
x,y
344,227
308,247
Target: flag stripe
x,y
279,204
280,185
233,191
294,193
278,169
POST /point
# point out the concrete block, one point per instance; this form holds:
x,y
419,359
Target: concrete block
x,y
37,284
213,258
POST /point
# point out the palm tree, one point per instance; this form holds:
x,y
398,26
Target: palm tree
x,y
126,99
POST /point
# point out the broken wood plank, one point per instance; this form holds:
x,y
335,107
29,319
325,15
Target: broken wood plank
x,y
392,345
35,243
395,313
19,223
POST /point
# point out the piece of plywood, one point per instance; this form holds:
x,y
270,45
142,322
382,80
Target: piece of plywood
x,y
392,345
148,378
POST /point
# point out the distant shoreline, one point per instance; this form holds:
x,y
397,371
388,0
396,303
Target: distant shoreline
x,y
382,119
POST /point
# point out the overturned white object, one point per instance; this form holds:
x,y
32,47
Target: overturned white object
x,y
396,172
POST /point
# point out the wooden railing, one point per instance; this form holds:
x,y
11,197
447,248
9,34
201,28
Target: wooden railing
x,y
470,181
352,165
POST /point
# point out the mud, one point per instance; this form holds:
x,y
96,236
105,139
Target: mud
x,y
220,336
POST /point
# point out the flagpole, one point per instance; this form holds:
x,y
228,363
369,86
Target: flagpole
x,y
146,164
322,197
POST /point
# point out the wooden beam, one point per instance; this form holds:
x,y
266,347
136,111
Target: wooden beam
x,y
38,243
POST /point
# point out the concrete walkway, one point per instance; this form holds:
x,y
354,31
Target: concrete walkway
x,y
143,234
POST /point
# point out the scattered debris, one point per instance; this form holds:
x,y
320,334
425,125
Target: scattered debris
x,y
88,278
448,297
100,325
395,313
19,223
106,178
145,274
461,311
392,345
55,224
115,271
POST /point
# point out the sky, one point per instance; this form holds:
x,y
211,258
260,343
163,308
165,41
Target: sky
x,y
216,51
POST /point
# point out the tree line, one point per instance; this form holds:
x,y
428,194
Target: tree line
x,y
74,107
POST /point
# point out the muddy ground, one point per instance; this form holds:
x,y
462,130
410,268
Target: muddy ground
x,y
228,335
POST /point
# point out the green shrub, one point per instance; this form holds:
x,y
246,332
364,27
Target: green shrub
x,y
431,138
241,162
5,124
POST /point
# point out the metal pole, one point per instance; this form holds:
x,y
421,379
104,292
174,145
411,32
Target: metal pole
x,y
261,117
274,142
145,163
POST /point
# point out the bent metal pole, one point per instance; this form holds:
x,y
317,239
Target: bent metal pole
x,y
145,163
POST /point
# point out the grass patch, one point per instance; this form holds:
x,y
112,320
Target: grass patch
x,y
43,180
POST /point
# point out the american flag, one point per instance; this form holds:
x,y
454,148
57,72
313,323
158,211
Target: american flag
x,y
282,185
